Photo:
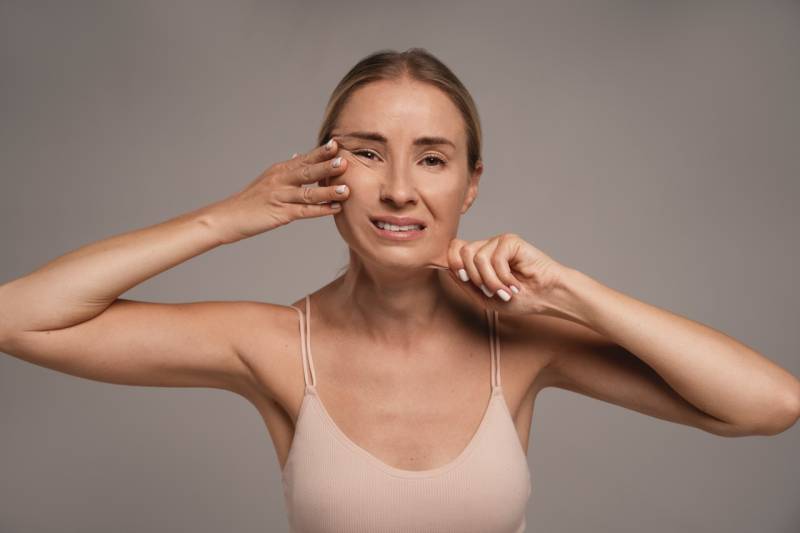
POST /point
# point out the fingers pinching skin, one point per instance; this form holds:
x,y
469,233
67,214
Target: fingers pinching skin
x,y
318,154
507,247
485,259
481,262
316,167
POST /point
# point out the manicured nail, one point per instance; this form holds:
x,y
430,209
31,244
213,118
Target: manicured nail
x,y
337,162
503,294
329,145
486,291
336,205
514,289
462,274
341,189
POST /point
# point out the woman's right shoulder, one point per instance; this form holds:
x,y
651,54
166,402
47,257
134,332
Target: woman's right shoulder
x,y
268,341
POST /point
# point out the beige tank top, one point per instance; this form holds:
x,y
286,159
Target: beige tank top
x,y
333,485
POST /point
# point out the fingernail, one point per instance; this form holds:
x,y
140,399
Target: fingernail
x,y
341,189
337,162
336,205
329,145
486,291
503,294
295,155
514,289
462,274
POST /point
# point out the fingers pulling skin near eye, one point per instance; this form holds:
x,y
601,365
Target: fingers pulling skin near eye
x,y
314,172
318,154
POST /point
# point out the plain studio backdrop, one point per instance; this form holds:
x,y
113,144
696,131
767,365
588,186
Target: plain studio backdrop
x,y
651,145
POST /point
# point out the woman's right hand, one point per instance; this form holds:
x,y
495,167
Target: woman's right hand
x,y
281,194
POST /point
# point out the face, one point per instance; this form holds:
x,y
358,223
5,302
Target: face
x,y
401,176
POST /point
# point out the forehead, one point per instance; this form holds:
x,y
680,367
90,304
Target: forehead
x,y
402,110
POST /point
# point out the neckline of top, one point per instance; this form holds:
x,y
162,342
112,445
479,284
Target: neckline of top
x,y
312,392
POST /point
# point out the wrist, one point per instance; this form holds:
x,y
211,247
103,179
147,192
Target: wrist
x,y
566,299
210,217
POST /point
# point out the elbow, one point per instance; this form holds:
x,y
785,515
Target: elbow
x,y
784,417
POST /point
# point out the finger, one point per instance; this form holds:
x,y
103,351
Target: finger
x,y
467,253
502,258
318,154
314,172
316,210
486,258
483,265
454,259
315,195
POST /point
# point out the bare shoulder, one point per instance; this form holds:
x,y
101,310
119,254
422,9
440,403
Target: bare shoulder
x,y
268,341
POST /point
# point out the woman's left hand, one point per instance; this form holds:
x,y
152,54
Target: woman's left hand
x,y
500,263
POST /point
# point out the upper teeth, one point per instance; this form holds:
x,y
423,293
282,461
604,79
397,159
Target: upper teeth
x,y
392,227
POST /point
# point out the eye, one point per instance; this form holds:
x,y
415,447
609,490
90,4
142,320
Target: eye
x,y
435,158
370,152
430,158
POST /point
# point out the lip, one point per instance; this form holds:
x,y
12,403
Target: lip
x,y
398,221
398,235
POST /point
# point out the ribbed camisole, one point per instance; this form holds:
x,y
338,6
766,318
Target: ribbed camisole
x,y
333,485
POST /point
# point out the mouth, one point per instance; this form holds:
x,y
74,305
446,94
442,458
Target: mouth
x,y
400,226
398,229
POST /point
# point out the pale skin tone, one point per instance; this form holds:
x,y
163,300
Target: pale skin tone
x,y
400,350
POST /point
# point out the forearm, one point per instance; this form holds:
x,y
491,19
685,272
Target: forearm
x,y
713,371
81,284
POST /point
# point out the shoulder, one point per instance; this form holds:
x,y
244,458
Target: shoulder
x,y
267,339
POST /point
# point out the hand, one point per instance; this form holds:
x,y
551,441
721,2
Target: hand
x,y
281,194
501,262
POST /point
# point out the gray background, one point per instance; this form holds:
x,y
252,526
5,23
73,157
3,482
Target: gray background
x,y
652,145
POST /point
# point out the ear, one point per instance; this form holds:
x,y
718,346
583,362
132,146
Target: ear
x,y
472,188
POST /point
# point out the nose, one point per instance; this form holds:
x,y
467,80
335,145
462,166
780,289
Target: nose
x,y
398,186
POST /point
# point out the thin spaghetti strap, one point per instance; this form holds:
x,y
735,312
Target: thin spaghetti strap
x,y
492,348
309,358
303,345
496,331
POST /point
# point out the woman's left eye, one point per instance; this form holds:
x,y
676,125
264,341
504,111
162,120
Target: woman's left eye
x,y
434,158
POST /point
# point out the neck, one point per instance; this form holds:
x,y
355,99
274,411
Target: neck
x,y
392,305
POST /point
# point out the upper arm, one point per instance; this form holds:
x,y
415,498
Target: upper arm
x,y
150,344
588,363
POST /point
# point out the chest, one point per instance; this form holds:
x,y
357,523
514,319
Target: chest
x,y
411,412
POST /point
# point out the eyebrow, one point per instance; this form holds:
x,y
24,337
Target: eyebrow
x,y
427,140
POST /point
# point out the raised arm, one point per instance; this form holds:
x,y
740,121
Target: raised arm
x,y
67,315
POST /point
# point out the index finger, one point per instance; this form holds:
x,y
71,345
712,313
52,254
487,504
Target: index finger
x,y
320,153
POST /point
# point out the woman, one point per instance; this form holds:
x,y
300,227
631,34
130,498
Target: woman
x,y
385,424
